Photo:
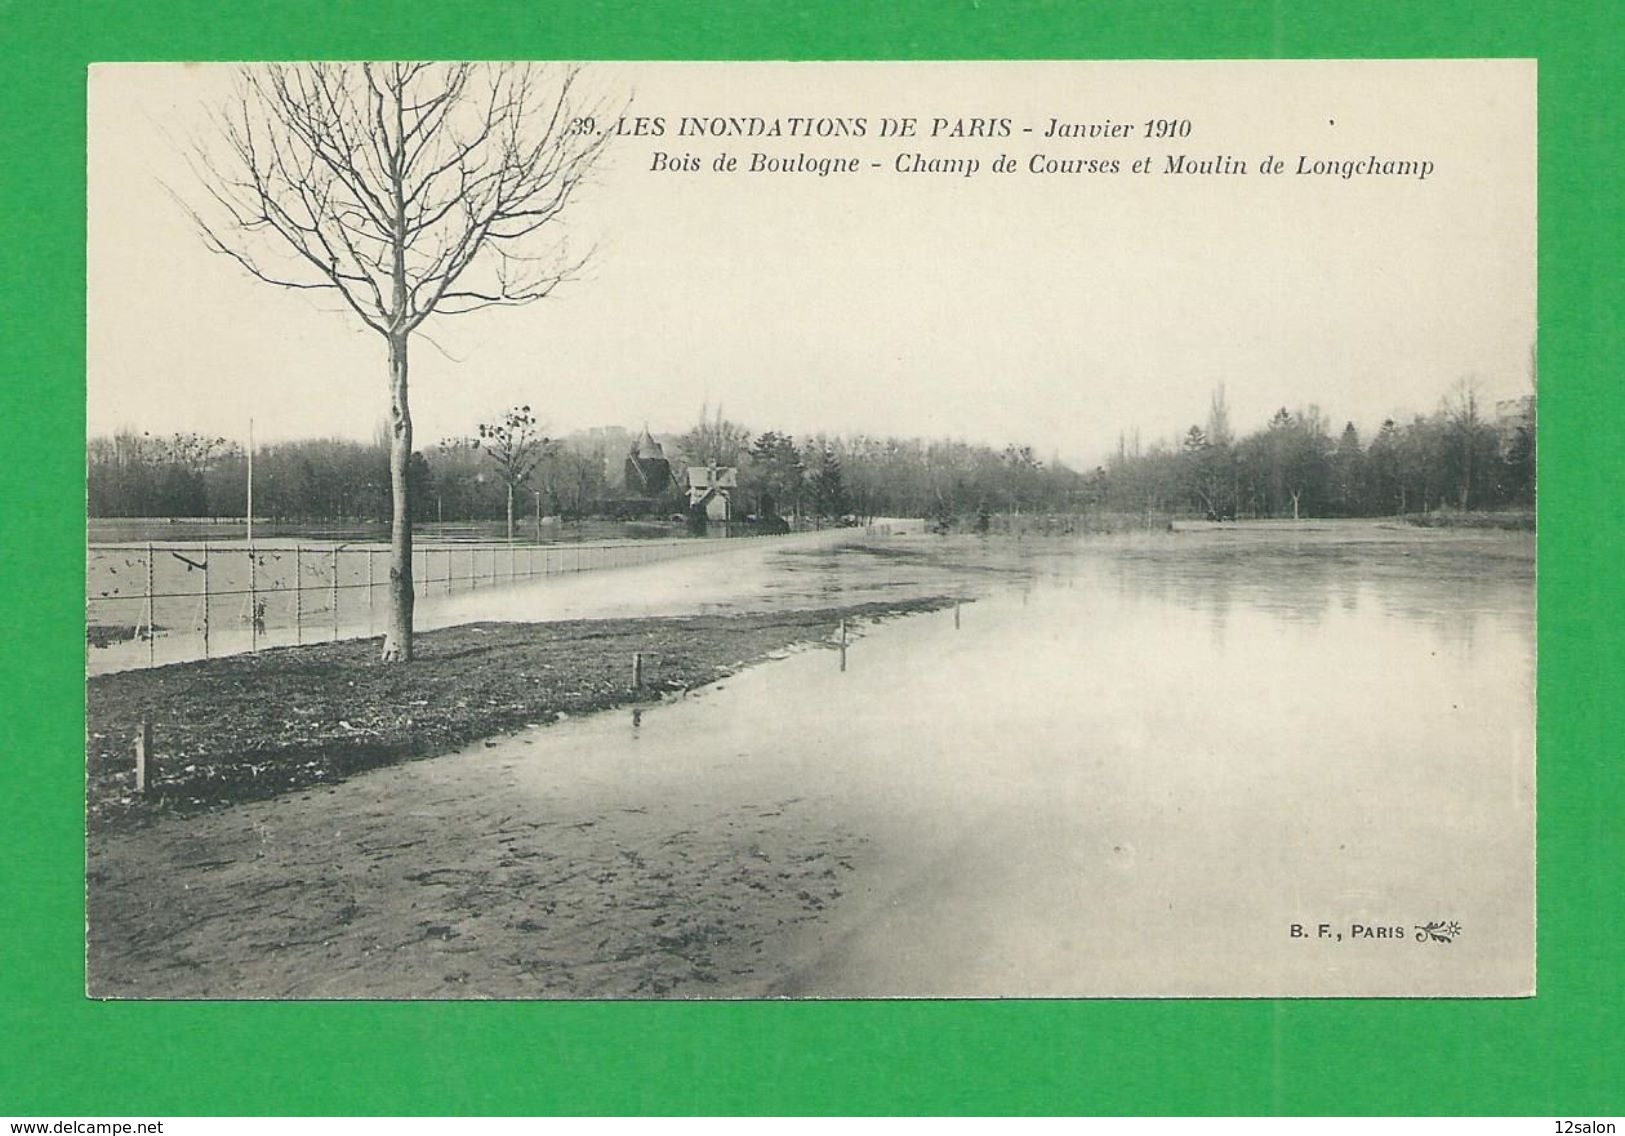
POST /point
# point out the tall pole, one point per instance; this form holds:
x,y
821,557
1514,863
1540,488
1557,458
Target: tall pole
x,y
251,483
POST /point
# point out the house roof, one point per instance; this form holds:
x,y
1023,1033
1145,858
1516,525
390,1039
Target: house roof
x,y
647,448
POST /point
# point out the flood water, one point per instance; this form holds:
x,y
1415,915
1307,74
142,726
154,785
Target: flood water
x,y
1134,765
1123,766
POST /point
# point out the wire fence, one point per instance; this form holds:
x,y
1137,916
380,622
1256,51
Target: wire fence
x,y
153,603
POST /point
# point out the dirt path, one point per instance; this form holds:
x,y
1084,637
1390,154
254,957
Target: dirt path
x,y
474,875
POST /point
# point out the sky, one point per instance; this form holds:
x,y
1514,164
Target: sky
x,y
1053,310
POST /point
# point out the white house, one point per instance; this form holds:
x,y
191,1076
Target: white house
x,y
713,488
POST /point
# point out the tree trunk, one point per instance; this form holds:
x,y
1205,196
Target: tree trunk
x,y
398,637
510,512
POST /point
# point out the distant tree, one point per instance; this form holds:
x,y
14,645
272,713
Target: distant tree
x,y
409,190
580,479
825,484
1218,430
862,461
1223,474
515,445
1298,452
1472,444
1518,448
421,475
1021,474
1422,454
1199,473
1518,462
1385,485
1278,443
145,475
714,441
774,473
1348,474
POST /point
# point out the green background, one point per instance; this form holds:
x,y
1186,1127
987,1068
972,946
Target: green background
x,y
1557,1054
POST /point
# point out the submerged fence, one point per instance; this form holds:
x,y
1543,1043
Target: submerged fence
x,y
153,603
161,602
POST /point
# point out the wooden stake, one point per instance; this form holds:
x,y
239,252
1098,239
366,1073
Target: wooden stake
x,y
152,617
205,599
299,594
146,768
253,600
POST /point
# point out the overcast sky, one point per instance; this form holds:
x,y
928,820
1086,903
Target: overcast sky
x,y
1052,310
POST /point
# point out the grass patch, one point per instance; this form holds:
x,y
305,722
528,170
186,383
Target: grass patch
x,y
249,727
1522,520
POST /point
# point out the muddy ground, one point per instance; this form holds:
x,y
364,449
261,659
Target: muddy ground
x,y
248,727
469,876
250,871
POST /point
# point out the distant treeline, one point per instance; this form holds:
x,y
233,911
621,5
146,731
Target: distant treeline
x,y
137,474
1462,456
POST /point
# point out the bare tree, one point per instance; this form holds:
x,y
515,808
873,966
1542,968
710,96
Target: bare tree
x,y
516,445
410,190
1465,426
714,441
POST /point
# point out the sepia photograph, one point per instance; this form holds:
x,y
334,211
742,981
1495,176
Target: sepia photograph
x,y
714,530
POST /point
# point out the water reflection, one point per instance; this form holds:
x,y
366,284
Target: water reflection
x,y
1451,586
1125,767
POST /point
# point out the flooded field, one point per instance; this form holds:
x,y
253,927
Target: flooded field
x,y
1124,766
203,600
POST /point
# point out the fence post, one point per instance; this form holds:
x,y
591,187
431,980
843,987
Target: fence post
x,y
299,594
335,594
205,599
152,631
369,587
637,670
145,768
253,600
